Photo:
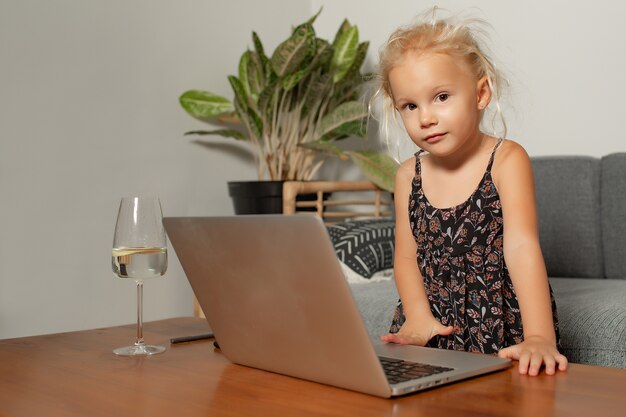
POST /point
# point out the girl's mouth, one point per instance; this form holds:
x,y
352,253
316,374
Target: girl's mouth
x,y
434,138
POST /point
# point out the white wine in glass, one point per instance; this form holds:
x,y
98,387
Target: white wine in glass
x,y
139,252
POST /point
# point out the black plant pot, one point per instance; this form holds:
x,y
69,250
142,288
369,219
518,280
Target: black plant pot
x,y
262,197
256,197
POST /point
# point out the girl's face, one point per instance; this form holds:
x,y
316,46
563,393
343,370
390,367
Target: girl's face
x,y
439,100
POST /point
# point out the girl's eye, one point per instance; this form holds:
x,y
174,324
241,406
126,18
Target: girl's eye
x,y
443,97
410,106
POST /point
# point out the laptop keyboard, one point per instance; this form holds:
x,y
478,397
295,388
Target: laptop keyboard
x,y
398,370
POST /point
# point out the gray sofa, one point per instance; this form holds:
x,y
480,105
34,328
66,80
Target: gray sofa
x,y
581,203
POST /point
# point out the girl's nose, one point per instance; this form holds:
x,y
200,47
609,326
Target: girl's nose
x,y
427,118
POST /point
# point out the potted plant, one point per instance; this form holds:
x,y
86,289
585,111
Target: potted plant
x,y
294,105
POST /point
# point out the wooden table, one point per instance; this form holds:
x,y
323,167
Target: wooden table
x,y
76,374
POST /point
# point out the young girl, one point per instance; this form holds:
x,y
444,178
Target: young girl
x,y
465,205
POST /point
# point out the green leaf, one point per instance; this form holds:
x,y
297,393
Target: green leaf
x,y
344,113
258,46
264,62
229,118
291,80
241,95
289,55
359,58
204,104
320,86
269,70
325,147
244,62
244,107
266,99
257,124
354,128
312,19
377,167
323,53
348,89
308,22
227,133
345,25
345,50
256,75
251,119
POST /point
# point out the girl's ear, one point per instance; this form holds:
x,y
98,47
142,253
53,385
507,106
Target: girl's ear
x,y
483,92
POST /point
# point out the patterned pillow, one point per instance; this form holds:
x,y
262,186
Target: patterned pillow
x,y
365,246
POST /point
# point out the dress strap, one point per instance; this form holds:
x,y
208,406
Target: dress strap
x,y
418,165
493,154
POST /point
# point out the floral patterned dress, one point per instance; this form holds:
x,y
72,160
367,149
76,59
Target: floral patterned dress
x,y
460,256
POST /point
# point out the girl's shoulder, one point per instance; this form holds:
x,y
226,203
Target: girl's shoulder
x,y
407,168
509,152
510,160
406,173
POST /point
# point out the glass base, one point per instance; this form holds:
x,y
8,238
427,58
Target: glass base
x,y
139,350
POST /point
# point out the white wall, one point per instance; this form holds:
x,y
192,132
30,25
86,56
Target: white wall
x,y
89,113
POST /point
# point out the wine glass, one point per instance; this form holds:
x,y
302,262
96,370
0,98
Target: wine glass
x,y
139,252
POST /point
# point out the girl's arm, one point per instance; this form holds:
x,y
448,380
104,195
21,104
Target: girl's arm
x,y
514,180
420,325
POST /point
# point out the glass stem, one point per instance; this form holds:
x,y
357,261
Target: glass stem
x,y
139,313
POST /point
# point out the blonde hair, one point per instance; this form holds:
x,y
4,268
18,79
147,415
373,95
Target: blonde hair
x,y
457,37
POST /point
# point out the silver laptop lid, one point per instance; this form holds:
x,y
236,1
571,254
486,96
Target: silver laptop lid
x,y
274,294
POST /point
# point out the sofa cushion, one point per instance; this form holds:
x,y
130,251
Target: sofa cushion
x,y
592,320
353,277
365,246
376,302
613,197
568,208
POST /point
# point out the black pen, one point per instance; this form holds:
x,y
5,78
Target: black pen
x,y
191,338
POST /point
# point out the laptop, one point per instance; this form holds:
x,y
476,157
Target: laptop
x,y
274,294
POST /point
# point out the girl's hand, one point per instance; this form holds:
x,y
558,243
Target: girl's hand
x,y
532,353
419,333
